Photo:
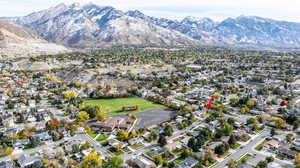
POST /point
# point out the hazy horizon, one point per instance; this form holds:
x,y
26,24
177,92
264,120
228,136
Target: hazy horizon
x,y
176,9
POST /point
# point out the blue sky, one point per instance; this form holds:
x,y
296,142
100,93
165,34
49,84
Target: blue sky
x,y
175,9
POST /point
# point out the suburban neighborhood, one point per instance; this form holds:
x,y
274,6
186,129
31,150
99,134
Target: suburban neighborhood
x,y
232,109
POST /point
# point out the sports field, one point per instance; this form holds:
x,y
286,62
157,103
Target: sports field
x,y
115,105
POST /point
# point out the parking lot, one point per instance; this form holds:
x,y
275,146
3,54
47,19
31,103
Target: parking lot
x,y
153,117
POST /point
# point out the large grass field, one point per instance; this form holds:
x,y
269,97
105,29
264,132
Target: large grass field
x,y
115,105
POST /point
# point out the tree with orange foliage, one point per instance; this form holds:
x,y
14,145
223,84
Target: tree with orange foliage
x,y
54,123
87,129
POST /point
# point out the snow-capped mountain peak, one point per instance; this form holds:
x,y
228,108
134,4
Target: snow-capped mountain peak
x,y
91,24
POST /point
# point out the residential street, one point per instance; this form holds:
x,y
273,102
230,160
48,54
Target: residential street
x,y
249,148
244,149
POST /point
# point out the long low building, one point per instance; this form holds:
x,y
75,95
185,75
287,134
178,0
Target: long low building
x,y
112,123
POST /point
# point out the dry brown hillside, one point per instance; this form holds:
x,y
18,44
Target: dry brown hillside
x,y
12,33
17,41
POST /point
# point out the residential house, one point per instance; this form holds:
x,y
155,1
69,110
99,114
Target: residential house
x,y
286,152
271,145
214,145
10,132
157,151
26,161
135,141
296,143
7,164
173,146
280,138
31,103
273,165
20,143
244,165
42,136
188,163
142,162
115,143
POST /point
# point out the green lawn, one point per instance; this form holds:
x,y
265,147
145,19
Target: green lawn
x,y
260,146
179,160
244,158
115,105
177,151
92,134
137,146
102,137
237,145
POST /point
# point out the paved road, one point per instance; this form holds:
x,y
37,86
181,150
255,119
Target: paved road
x,y
244,149
39,148
249,148
263,155
191,127
94,143
139,152
84,137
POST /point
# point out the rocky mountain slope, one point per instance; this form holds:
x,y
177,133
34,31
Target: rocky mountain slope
x,y
93,25
240,31
17,40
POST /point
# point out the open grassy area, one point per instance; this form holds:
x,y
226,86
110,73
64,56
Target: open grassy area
x,y
115,105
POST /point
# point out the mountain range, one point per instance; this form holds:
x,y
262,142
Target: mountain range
x,y
89,25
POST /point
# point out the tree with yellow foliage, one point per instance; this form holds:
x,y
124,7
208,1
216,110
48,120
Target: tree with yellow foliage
x,y
234,100
133,134
279,122
297,159
81,106
82,116
101,116
89,85
217,95
122,135
245,109
8,151
250,103
52,78
78,84
71,94
109,87
118,147
92,160
101,86
24,134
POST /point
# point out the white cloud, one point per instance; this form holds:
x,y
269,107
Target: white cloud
x,y
216,9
